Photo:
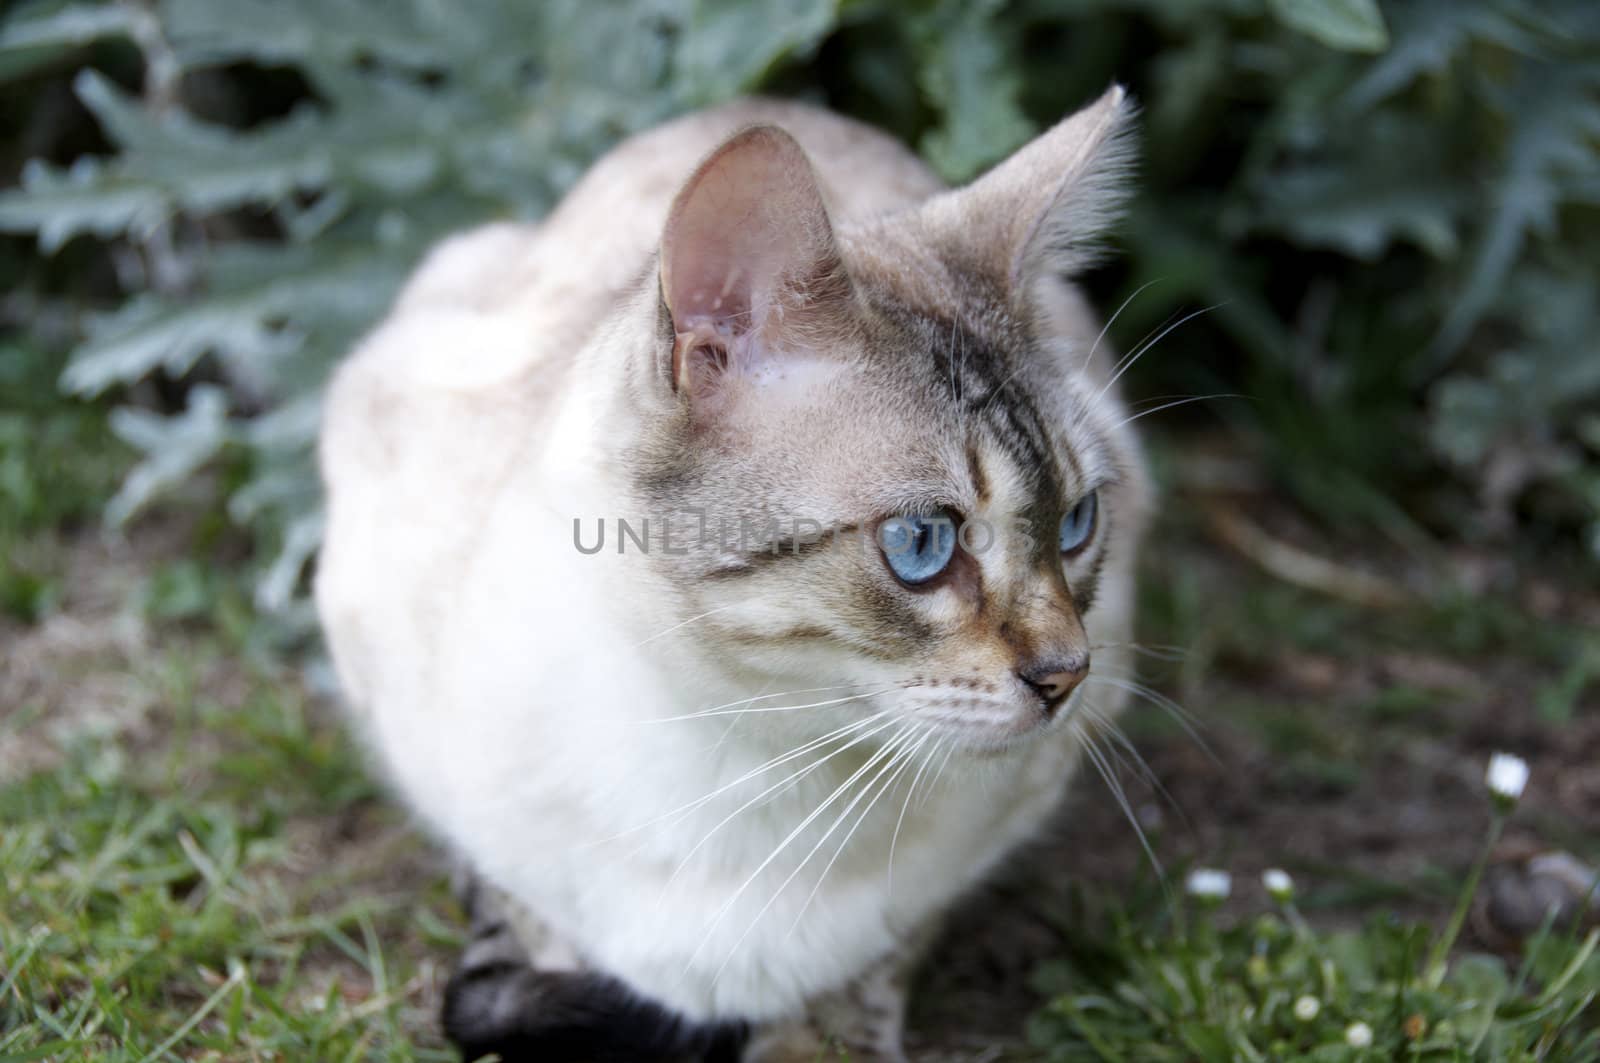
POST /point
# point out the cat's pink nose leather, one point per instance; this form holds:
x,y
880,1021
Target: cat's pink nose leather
x,y
1055,678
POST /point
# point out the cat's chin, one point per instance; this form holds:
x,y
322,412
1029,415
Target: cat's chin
x,y
998,739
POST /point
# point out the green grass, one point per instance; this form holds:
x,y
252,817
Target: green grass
x,y
194,863
218,883
58,463
1170,981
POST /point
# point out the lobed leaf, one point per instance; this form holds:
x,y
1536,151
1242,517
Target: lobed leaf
x,y
1347,25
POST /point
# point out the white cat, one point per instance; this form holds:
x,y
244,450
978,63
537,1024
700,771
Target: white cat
x,y
881,503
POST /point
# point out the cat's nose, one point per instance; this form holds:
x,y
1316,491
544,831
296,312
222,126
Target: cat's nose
x,y
1054,678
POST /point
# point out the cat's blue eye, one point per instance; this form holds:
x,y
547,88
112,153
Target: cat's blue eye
x,y
1078,524
918,548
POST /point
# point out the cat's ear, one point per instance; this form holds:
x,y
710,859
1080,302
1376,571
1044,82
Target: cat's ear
x,y
748,259
1044,210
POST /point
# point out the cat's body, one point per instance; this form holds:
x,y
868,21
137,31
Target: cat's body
x,y
526,697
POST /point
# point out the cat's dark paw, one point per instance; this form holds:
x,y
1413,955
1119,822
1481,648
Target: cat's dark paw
x,y
493,1004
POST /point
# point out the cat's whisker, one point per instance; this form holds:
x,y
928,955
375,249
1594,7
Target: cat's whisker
x,y
903,759
1088,358
1119,746
1114,784
898,744
1127,755
1144,348
1134,351
686,623
1155,697
1160,653
955,393
961,376
727,733
996,393
911,792
784,758
795,777
728,904
733,724
1187,400
807,747
1134,686
938,774
729,710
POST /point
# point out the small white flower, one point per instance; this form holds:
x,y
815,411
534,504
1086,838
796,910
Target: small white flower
x,y
1278,884
1507,776
1358,1035
1209,884
1306,1008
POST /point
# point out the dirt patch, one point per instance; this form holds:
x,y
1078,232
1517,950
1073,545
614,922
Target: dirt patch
x,y
77,673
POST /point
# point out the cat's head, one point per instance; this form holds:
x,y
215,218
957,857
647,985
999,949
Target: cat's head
x,y
895,470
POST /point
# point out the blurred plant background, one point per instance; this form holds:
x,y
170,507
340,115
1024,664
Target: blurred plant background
x,y
1365,235
1393,214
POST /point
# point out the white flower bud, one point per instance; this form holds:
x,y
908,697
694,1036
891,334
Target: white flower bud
x,y
1507,776
1306,1008
1209,884
1358,1035
1278,884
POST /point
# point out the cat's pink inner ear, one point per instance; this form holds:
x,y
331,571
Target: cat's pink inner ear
x,y
747,241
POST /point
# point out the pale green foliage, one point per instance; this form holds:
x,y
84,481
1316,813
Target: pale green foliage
x,y
41,33
426,117
971,76
1396,238
1355,25
1456,177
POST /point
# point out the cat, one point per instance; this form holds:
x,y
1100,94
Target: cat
x,y
873,502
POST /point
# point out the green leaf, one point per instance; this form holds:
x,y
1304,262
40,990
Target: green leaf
x,y
1345,25
275,592
729,45
38,34
1428,36
175,448
1360,193
1362,211
45,25
87,197
383,137
1553,110
329,32
243,325
970,72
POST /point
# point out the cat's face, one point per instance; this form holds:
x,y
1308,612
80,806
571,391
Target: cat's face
x,y
892,462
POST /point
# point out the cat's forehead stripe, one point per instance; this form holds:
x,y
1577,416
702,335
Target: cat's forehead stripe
x,y
988,386
980,481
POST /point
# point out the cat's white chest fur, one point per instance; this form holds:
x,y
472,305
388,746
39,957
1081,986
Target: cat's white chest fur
x,y
516,712
526,698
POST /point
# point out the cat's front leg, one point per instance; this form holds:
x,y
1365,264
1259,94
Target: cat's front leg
x,y
521,992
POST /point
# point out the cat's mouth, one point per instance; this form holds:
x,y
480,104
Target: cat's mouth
x,y
996,726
